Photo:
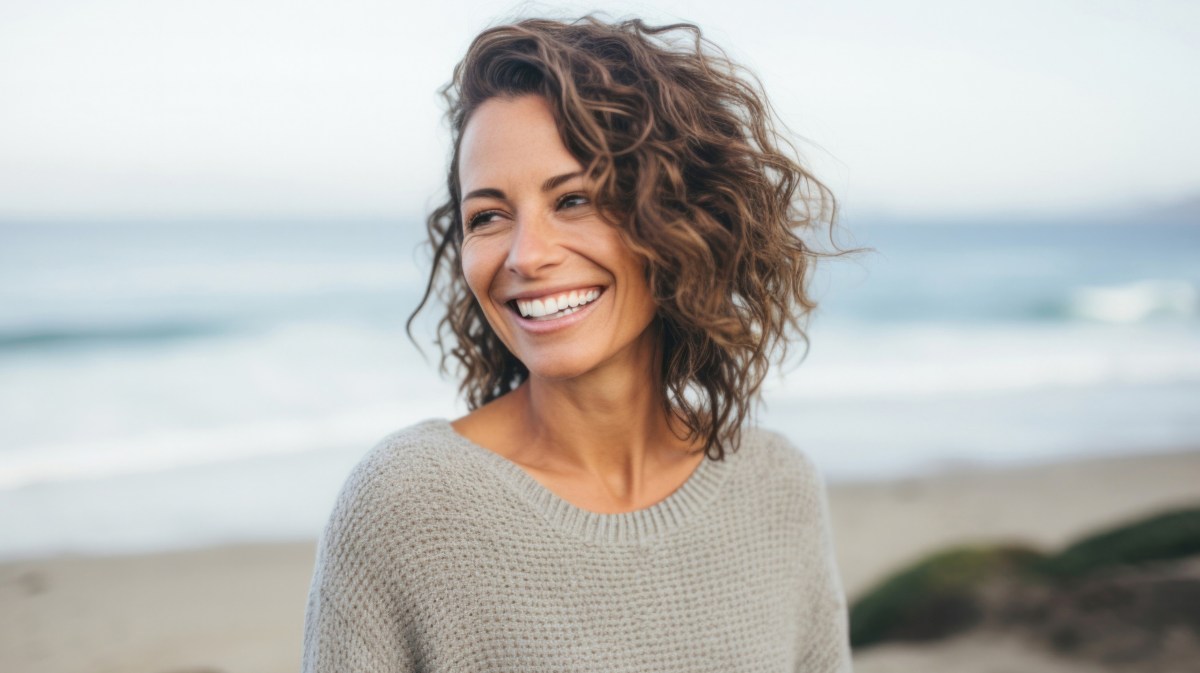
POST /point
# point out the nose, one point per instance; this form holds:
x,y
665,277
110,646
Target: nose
x,y
534,246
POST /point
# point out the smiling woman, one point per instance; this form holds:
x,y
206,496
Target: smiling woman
x,y
537,239
620,261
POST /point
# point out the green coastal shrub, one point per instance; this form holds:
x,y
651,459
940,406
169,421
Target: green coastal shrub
x,y
939,595
1166,536
934,597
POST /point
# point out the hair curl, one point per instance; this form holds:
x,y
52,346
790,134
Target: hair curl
x,y
680,145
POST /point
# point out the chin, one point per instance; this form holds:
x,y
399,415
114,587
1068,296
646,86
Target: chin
x,y
557,373
557,369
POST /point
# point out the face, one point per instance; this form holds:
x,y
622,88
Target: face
x,y
556,282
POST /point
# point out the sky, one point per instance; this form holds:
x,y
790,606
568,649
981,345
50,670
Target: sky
x,y
288,109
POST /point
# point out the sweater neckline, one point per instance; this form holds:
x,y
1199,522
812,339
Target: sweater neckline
x,y
681,506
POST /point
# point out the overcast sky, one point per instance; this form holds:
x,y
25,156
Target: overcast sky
x,y
282,108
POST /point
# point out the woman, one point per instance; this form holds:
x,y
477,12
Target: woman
x,y
619,261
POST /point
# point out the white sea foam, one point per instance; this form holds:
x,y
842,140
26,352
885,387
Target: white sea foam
x,y
867,361
1136,302
297,388
156,452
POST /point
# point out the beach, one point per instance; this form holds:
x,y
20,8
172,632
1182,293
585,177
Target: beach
x,y
237,609
220,294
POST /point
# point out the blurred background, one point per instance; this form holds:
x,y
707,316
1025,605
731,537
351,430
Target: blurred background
x,y
210,227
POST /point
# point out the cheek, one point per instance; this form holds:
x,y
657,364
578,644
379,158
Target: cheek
x,y
475,268
633,275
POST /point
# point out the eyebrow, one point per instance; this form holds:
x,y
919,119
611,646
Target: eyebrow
x,y
548,185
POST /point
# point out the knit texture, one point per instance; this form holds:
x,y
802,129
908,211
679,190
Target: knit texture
x,y
441,555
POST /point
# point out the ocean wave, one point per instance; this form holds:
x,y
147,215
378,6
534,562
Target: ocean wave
x,y
926,360
181,448
255,278
1135,302
28,338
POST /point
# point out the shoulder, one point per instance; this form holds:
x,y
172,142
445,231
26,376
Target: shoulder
x,y
777,461
393,484
411,454
381,522
775,452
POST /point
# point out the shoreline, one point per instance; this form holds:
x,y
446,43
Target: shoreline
x,y
240,607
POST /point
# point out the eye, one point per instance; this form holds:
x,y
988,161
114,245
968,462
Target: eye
x,y
481,218
572,201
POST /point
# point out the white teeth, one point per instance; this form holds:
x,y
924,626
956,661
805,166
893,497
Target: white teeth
x,y
550,306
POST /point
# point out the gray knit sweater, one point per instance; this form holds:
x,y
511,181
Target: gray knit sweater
x,y
444,556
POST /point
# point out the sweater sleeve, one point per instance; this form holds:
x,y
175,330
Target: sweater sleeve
x,y
337,641
355,618
825,642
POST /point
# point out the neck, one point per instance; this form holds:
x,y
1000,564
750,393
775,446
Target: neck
x,y
606,435
610,425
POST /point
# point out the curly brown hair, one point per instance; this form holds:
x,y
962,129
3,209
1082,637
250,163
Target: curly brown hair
x,y
682,152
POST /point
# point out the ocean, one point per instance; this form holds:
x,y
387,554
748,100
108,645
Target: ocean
x,y
172,385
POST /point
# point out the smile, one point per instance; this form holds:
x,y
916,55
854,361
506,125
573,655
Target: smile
x,y
552,307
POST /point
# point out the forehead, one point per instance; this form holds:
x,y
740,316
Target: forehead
x,y
509,141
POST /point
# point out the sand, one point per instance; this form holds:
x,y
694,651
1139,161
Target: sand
x,y
878,525
240,609
225,609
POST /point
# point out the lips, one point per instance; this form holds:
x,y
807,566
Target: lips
x,y
560,317
551,304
